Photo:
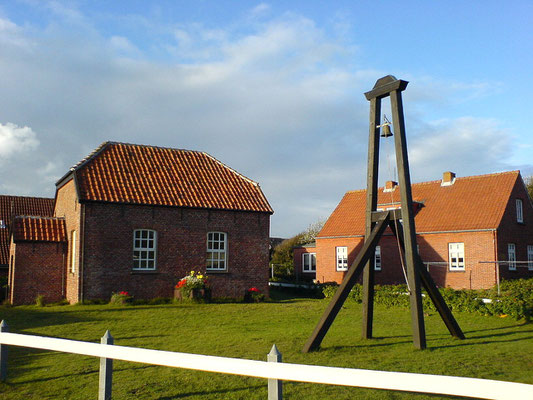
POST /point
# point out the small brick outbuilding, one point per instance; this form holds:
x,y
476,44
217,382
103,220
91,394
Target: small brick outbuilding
x,y
464,226
10,206
138,218
38,249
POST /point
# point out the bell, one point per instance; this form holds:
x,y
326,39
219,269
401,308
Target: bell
x,y
385,131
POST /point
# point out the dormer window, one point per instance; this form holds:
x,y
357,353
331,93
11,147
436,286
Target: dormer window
x,y
2,224
519,211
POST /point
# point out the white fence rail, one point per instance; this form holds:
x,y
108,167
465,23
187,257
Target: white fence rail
x,y
410,382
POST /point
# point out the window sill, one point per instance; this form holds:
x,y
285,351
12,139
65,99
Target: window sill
x,y
144,272
457,270
216,272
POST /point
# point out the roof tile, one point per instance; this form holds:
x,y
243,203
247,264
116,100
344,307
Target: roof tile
x,y
11,206
137,174
39,229
471,203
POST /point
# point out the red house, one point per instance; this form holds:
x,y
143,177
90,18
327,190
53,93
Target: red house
x,y
471,232
138,218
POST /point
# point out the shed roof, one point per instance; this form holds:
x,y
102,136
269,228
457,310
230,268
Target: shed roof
x,y
148,175
39,229
470,203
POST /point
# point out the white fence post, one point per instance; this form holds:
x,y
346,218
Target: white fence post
x,y
275,386
3,353
106,371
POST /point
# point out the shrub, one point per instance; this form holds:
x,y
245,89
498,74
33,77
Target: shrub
x,y
253,295
39,300
121,298
515,300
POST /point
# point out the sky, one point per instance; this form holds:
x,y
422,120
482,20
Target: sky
x,y
273,89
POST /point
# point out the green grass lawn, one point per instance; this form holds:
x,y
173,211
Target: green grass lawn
x,y
495,348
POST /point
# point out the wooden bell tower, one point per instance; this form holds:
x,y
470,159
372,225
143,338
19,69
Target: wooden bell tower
x,y
401,222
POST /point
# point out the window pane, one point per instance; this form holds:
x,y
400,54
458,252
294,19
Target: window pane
x,y
144,245
216,245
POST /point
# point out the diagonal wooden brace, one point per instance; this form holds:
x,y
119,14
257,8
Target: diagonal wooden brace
x,y
433,292
369,247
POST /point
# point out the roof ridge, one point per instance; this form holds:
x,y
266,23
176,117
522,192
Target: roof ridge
x,y
26,197
38,217
153,147
516,171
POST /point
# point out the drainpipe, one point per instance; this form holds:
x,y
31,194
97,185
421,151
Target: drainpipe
x,y
82,252
63,274
496,264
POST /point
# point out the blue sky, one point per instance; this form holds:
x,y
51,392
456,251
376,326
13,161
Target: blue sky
x,y
273,89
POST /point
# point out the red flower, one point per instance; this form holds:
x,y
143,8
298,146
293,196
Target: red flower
x,y
124,293
181,283
254,289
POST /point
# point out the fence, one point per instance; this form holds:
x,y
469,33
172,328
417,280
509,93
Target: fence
x,y
273,370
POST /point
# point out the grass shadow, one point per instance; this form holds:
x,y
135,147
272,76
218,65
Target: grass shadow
x,y
209,393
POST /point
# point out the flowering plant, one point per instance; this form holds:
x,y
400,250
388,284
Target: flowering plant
x,y
122,297
192,287
195,280
253,295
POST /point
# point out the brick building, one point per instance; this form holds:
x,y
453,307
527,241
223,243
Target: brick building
x,y
463,226
139,218
11,206
305,261
38,248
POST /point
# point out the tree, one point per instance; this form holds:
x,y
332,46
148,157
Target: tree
x,y
529,185
282,259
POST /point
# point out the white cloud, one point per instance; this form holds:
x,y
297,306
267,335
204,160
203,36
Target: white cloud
x,y
122,44
15,139
465,145
274,103
260,9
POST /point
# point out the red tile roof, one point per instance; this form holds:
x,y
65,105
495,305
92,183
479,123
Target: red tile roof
x,y
471,203
18,205
39,229
137,174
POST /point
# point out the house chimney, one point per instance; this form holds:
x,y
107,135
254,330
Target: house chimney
x,y
390,186
448,178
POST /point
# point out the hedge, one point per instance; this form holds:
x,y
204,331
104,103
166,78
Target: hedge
x,y
515,299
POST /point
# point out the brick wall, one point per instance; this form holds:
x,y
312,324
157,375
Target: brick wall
x,y
298,253
37,270
181,247
433,248
511,231
67,206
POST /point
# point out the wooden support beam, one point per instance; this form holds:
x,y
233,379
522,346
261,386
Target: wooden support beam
x,y
394,214
433,292
371,205
334,306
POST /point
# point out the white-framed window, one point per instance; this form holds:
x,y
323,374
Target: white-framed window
x,y
73,238
519,211
144,249
377,259
2,224
530,257
217,251
309,262
342,258
511,256
456,255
